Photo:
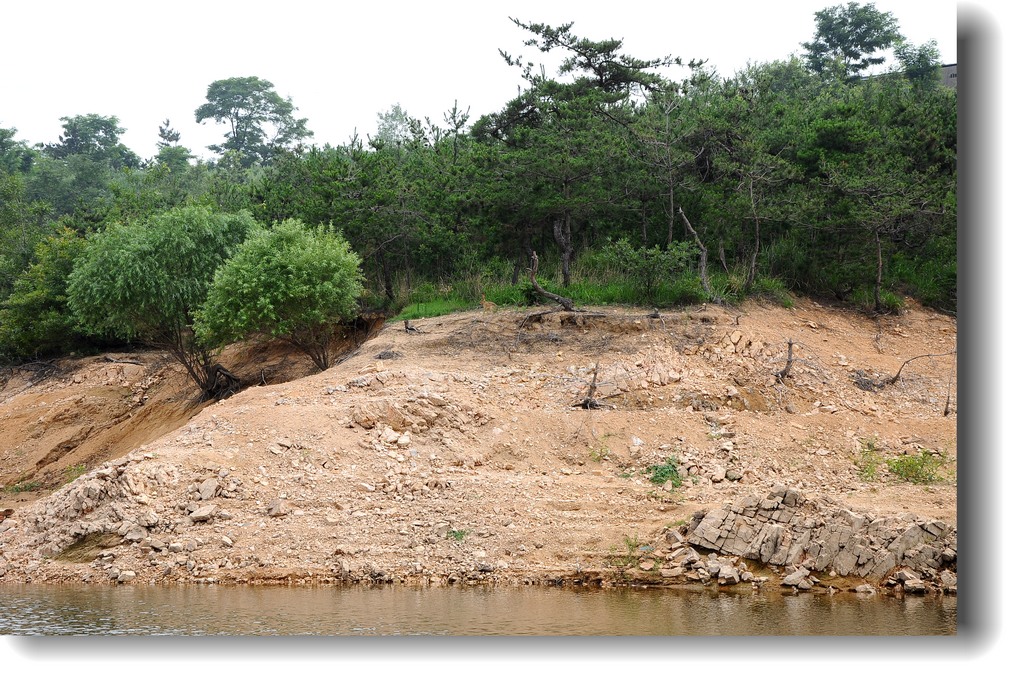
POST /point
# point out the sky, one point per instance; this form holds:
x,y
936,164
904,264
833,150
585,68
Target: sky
x,y
343,63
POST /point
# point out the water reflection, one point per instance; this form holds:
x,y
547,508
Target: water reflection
x,y
397,610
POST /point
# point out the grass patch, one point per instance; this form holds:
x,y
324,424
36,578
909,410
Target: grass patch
x,y
433,308
72,473
774,290
22,487
457,535
924,468
665,472
627,558
869,460
864,297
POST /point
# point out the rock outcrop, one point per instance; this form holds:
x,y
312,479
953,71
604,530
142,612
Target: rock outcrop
x,y
784,529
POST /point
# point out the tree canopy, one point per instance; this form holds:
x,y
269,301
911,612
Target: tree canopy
x,y
848,37
654,180
260,122
147,279
291,282
96,137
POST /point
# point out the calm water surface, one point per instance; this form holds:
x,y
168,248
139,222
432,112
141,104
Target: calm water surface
x,y
397,610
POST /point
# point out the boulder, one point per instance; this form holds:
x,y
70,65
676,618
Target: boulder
x,y
209,489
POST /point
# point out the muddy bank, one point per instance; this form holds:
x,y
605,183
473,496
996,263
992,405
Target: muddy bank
x,y
459,454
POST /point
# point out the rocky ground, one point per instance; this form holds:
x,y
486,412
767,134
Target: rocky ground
x,y
460,452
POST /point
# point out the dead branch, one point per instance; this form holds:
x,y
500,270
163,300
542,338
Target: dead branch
x,y
789,362
120,361
702,263
567,304
656,315
949,388
896,377
589,402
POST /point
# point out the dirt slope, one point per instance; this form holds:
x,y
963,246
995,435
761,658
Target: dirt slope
x,y
435,452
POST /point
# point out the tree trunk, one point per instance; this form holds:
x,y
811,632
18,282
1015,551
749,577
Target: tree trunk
x,y
385,273
563,237
702,261
567,304
752,271
878,272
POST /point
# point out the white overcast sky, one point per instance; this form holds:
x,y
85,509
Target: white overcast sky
x,y
342,63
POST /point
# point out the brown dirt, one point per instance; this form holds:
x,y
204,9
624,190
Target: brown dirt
x,y
430,453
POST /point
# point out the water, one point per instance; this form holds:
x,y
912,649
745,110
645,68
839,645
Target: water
x,y
399,610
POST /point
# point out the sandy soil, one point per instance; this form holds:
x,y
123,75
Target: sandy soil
x,y
460,449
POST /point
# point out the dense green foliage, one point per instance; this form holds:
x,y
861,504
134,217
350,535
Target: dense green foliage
x,y
848,37
290,282
147,279
260,121
34,319
647,181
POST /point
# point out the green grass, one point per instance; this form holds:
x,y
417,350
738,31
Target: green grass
x,y
72,473
629,558
21,487
457,535
597,282
921,468
774,290
924,468
665,472
437,307
868,461
864,297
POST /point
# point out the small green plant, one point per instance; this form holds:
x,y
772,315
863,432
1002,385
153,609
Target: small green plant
x,y
458,535
924,468
629,558
21,487
599,453
665,472
646,267
72,473
869,460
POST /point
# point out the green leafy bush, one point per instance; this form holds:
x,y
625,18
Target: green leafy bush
x,y
924,468
648,267
868,461
291,281
665,472
35,320
147,279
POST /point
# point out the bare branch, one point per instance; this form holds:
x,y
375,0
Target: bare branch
x,y
567,304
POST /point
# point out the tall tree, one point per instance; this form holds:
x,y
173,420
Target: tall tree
x,y
920,63
168,135
95,137
848,37
568,135
260,121
147,279
15,155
